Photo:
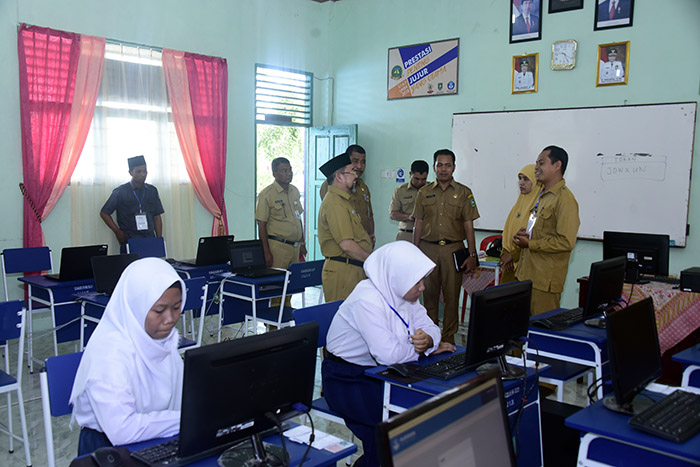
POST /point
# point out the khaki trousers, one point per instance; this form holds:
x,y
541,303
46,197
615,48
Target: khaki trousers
x,y
339,279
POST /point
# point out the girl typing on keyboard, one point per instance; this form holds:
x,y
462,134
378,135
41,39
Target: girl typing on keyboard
x,y
129,383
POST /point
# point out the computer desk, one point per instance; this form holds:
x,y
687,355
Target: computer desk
x,y
399,396
580,344
607,439
59,297
690,358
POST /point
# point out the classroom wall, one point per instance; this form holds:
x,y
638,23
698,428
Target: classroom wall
x,y
664,67
285,33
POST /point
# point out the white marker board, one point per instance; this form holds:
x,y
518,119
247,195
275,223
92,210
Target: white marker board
x,y
629,166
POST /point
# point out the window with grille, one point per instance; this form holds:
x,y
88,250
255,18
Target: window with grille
x,y
282,97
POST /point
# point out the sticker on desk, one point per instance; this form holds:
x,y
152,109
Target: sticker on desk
x,y
300,434
518,361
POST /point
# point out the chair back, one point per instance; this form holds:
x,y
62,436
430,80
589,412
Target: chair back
x,y
149,247
11,320
60,375
196,298
21,260
304,274
323,314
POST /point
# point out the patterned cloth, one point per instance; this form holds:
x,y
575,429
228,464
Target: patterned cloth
x,y
677,312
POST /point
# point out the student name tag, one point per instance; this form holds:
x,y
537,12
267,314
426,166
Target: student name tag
x,y
141,222
531,224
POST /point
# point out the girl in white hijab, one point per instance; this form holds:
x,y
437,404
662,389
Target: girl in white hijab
x,y
381,322
129,384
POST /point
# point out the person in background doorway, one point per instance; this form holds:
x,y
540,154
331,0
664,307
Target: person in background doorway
x,y
404,199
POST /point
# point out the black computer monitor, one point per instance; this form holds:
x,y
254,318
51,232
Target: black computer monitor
x,y
499,317
465,425
635,357
604,287
647,253
233,387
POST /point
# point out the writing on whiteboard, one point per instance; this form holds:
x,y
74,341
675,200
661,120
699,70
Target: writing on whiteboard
x,y
632,166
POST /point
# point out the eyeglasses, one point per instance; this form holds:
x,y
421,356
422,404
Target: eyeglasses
x,y
348,173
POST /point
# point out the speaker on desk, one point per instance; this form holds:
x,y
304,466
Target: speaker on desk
x,y
690,279
559,442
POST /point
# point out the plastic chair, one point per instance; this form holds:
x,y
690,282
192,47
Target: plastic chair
x,y
12,316
56,381
302,275
196,300
23,260
148,247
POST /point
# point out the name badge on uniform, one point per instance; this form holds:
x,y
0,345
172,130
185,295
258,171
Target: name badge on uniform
x,y
141,222
531,223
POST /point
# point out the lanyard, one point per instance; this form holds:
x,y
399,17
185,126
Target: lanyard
x,y
405,323
538,200
143,193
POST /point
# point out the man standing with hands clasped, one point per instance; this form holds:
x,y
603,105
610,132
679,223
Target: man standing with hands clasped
x,y
444,214
550,235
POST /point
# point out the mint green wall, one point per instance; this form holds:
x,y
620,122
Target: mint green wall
x,y
664,67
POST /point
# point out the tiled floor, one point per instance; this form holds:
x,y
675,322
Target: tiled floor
x,y
66,440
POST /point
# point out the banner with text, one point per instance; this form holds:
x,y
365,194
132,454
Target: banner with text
x,y
423,69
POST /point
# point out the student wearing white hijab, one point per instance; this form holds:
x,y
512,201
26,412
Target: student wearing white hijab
x,y
381,322
128,387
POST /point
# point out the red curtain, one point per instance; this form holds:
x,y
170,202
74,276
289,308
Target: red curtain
x,y
208,86
48,63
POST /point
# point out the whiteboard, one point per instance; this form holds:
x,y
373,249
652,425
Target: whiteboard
x,y
629,166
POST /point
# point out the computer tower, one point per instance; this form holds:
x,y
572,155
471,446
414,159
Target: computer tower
x,y
690,279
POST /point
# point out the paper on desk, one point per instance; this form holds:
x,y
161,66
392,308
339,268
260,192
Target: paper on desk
x,y
518,361
300,434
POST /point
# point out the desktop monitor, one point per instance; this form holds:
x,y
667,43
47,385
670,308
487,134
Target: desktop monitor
x,y
498,319
231,389
635,357
465,425
647,253
604,286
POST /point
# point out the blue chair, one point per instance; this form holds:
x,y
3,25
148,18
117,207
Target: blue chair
x,y
196,302
12,316
302,275
270,315
23,260
149,247
56,381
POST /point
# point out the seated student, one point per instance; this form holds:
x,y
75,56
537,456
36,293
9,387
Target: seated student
x,y
380,323
129,384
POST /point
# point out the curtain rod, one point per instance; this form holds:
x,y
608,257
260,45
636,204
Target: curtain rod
x,y
107,39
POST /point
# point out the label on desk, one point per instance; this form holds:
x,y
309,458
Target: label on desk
x,y
300,434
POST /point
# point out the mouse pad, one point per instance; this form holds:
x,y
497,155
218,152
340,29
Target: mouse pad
x,y
403,379
88,461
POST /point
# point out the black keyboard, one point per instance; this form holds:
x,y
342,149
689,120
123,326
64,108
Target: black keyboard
x,y
676,417
665,279
163,454
447,368
568,317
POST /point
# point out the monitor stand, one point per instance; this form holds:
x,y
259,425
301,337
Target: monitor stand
x,y
638,404
508,372
253,453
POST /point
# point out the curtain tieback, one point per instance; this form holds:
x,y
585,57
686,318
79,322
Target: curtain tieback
x,y
23,189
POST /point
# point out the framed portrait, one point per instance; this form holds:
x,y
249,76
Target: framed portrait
x,y
555,6
422,70
613,14
613,63
525,20
525,69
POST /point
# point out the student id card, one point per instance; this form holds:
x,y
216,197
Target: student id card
x,y
141,222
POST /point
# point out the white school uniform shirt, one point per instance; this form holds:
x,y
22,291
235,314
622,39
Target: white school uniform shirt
x,y
129,385
365,330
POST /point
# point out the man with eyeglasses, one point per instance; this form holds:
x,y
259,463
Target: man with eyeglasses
x,y
344,241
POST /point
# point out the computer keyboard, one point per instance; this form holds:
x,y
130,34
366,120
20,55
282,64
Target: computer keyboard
x,y
568,317
676,417
163,454
447,368
665,279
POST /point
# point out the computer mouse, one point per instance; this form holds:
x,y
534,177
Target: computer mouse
x,y
399,369
543,323
107,457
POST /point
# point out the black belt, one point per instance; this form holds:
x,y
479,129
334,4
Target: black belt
x,y
282,240
406,230
441,242
343,259
334,358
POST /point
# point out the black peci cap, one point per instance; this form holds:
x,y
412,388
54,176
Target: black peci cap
x,y
136,161
334,164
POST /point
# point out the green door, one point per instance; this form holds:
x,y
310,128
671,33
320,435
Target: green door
x,y
325,142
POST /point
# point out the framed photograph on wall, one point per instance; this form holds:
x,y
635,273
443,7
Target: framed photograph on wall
x,y
613,63
421,70
613,14
525,69
555,6
525,20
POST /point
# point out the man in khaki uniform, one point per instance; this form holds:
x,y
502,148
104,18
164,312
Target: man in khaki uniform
x,y
360,196
279,216
404,199
343,240
545,250
444,217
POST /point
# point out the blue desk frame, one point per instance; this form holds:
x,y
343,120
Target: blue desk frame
x,y
399,396
607,439
690,358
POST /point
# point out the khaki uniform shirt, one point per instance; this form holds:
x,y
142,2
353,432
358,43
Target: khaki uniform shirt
x,y
281,211
445,212
360,199
403,201
546,260
338,221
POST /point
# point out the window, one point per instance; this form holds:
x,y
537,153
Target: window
x,y
282,97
